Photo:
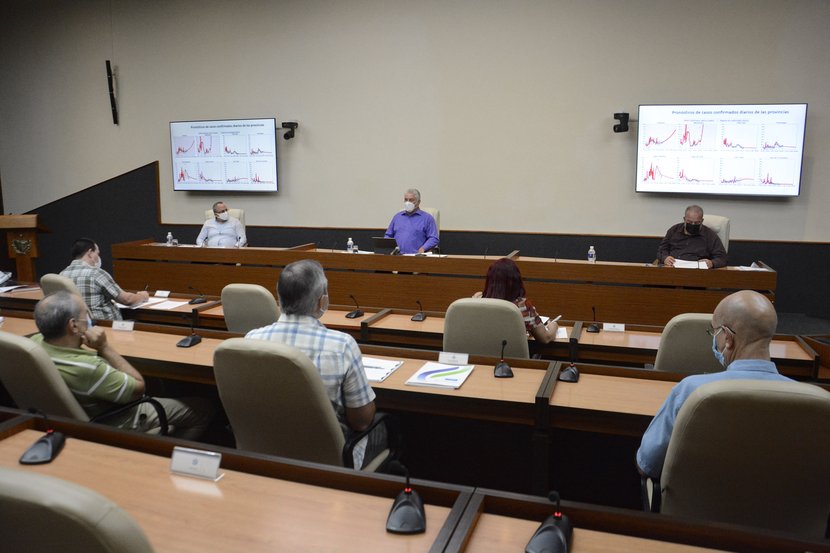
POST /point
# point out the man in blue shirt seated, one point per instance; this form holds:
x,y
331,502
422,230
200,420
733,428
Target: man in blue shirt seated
x,y
414,230
743,325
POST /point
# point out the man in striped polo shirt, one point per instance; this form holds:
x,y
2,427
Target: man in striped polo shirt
x,y
100,378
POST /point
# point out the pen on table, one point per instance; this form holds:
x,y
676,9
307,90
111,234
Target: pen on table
x,y
147,287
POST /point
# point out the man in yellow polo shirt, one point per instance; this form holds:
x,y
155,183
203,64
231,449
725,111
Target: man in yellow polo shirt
x,y
100,378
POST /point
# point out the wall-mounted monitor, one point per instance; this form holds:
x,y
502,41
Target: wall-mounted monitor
x,y
752,150
234,155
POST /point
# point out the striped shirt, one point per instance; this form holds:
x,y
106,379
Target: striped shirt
x,y
97,288
96,385
337,358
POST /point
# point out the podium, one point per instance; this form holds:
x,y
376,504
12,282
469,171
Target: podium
x,y
21,239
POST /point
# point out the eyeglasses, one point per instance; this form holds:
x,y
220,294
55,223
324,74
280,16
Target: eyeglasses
x,y
715,331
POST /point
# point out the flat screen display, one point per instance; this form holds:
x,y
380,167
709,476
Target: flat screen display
x,y
237,155
742,150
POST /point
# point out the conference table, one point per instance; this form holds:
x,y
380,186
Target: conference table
x,y
633,292
267,503
532,400
636,346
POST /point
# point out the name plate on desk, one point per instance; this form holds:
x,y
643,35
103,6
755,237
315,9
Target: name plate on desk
x,y
613,327
196,462
123,325
451,358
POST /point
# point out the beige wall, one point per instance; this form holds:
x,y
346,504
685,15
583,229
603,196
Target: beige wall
x,y
500,112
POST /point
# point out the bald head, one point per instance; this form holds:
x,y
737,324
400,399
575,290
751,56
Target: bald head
x,y
751,320
53,313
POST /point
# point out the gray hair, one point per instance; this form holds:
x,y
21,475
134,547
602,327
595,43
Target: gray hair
x,y
53,312
694,209
300,286
216,205
417,194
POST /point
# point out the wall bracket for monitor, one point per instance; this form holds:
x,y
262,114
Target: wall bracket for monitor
x,y
622,126
291,126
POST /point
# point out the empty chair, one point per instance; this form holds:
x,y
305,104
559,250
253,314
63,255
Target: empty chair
x,y
720,225
277,404
232,211
479,325
248,306
34,382
52,282
45,514
686,347
751,452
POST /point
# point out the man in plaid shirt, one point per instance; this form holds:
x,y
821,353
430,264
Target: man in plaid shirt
x,y
303,293
97,286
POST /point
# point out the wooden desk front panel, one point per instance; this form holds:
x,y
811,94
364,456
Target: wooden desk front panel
x,y
619,291
241,512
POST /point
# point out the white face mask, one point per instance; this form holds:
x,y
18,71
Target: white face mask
x,y
409,207
98,263
223,216
324,306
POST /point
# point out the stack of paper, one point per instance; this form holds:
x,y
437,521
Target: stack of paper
x,y
378,370
440,375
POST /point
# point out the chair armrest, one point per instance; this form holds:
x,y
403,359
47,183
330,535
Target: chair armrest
x,y
392,436
651,502
163,427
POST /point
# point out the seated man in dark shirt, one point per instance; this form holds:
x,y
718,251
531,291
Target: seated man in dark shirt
x,y
691,240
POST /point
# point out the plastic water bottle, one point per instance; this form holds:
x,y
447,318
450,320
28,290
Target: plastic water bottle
x,y
169,238
592,255
349,246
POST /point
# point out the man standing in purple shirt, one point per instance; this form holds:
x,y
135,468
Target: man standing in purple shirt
x,y
414,230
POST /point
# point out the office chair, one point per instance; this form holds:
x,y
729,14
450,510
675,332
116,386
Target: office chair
x,y
436,214
248,306
751,452
685,345
478,326
45,514
720,225
33,381
232,211
277,404
52,282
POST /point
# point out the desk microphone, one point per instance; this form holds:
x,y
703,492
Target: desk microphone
x,y
593,327
502,369
357,312
193,339
555,533
407,513
200,299
396,251
420,315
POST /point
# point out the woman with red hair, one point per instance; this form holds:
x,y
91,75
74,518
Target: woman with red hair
x,y
504,282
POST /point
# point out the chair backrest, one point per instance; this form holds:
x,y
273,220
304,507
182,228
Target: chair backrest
x,y
276,401
435,215
752,452
686,347
248,306
478,326
232,211
52,282
720,225
48,515
32,379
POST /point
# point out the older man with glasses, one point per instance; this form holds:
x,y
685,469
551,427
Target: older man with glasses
x,y
743,325
223,231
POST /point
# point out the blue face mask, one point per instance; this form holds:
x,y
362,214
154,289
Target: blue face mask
x,y
718,354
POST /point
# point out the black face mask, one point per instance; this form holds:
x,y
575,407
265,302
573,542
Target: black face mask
x,y
694,230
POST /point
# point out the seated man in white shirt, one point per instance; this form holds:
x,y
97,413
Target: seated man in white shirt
x,y
223,231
